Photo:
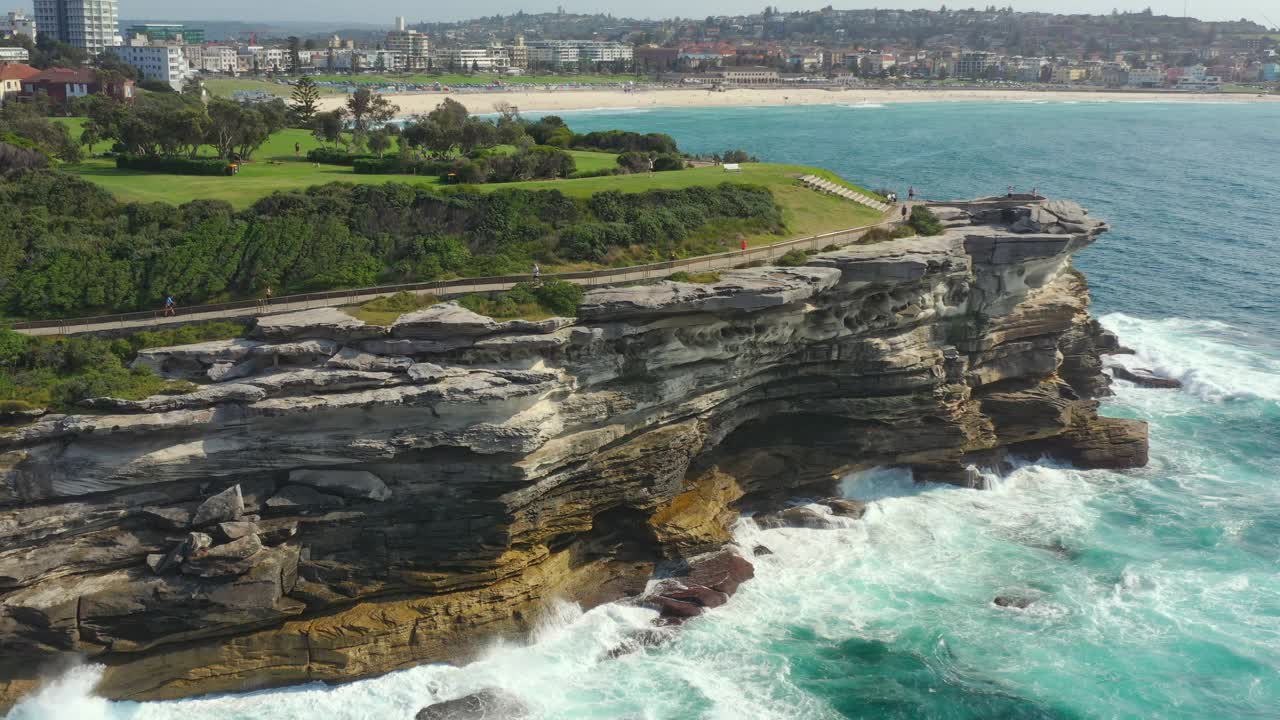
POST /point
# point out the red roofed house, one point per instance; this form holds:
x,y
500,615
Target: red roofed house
x,y
11,77
63,83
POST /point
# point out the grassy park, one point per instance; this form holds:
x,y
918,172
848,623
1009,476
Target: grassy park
x,y
275,168
228,86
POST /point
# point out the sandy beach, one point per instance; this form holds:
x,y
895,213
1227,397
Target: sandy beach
x,y
556,100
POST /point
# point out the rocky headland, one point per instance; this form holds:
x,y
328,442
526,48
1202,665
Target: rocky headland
x,y
338,500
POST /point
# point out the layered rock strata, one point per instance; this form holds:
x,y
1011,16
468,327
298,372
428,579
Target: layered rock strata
x,y
339,499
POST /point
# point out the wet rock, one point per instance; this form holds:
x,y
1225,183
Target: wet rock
x,y
760,550
302,498
1144,378
358,484
842,507
233,558
803,516
1013,601
673,608
226,505
638,640
723,570
487,704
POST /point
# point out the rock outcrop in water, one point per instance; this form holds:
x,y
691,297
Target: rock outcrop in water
x,y
340,500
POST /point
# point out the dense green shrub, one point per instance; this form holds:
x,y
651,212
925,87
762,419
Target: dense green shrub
x,y
528,300
398,166
793,258
67,248
923,221
335,156
667,163
620,141
173,165
58,372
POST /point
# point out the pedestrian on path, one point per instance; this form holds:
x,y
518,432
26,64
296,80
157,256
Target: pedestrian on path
x,y
170,306
904,213
268,293
911,193
537,273
744,244
297,149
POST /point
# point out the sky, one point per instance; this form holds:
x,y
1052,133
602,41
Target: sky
x,y
380,11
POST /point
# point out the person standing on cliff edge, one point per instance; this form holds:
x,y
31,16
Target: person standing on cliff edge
x,y
911,193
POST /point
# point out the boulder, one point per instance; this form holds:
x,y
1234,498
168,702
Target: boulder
x,y
638,639
803,516
294,498
1065,210
760,550
193,544
358,484
223,371
487,704
1144,378
845,508
234,530
723,570
442,320
234,558
354,359
424,372
167,518
1012,601
226,505
329,323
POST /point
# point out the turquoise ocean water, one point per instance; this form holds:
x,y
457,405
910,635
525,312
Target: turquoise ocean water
x,y
1157,591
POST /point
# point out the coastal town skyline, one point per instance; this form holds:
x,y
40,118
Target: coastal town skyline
x,y
370,13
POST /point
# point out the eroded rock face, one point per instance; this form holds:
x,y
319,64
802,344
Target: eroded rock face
x,y
359,499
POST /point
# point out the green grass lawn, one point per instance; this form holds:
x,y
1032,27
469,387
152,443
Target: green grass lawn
x,y
275,168
476,79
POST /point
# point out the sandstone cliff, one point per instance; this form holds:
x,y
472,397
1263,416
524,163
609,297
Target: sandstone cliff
x,y
340,500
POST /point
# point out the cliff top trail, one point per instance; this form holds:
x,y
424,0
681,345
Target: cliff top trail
x,y
336,499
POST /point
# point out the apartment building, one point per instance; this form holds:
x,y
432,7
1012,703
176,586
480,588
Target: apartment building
x,y
569,52
162,63
17,22
91,25
411,48
493,57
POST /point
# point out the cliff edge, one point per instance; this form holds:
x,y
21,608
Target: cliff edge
x,y
339,499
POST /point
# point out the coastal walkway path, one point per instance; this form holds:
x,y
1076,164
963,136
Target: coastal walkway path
x,y
149,320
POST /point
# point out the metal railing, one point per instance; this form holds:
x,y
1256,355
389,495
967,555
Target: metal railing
x,y
440,288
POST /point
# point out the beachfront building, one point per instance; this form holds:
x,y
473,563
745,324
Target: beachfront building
x,y
17,23
1025,69
91,25
1270,72
412,49
1196,78
61,84
214,58
973,65
558,53
749,76
493,57
1145,78
161,63
1067,74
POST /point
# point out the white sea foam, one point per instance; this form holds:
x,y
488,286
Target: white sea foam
x,y
1210,358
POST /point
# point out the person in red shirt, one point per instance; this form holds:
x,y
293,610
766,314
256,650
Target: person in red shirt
x,y
744,243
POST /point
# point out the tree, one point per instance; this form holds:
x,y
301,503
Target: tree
x,y
108,61
379,141
306,98
328,126
193,87
368,108
294,60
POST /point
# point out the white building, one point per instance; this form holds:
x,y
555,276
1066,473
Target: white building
x,y
494,57
1145,78
14,54
568,52
91,25
216,58
17,23
1195,78
165,63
